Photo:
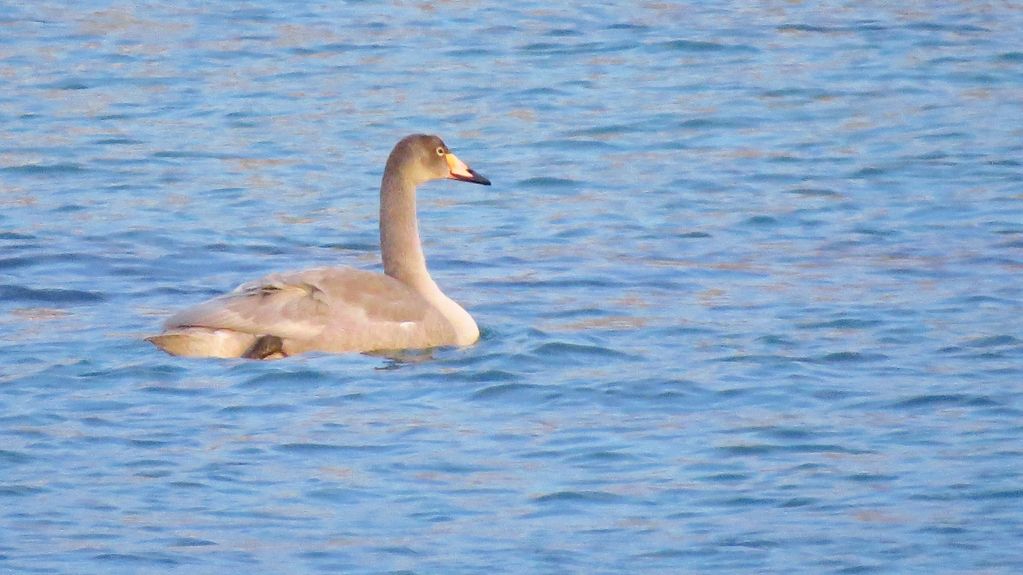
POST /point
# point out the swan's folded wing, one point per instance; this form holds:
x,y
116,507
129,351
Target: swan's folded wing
x,y
309,304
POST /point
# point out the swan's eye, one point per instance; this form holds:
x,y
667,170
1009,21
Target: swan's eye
x,y
440,151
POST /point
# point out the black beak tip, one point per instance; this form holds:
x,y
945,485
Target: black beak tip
x,y
476,178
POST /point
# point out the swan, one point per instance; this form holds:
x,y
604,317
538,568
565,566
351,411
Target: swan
x,y
342,309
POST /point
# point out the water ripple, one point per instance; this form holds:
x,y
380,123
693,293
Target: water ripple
x,y
747,279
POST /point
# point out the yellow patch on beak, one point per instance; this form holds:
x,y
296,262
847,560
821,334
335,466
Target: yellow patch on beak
x,y
457,167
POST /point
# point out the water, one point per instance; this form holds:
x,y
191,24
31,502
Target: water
x,y
749,282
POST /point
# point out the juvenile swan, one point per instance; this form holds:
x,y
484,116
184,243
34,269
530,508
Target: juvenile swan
x,y
342,309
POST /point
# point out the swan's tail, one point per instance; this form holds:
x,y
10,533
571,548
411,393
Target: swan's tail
x,y
204,342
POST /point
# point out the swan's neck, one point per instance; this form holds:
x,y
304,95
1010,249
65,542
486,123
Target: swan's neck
x,y
402,251
399,232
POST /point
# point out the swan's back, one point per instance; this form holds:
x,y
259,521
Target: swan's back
x,y
322,309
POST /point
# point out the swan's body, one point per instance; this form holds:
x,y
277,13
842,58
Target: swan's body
x,y
342,309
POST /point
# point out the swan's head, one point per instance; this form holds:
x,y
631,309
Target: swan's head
x,y
428,158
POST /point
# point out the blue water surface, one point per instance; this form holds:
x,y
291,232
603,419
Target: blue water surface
x,y
749,280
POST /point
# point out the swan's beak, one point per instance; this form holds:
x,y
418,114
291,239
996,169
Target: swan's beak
x,y
459,171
